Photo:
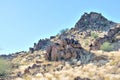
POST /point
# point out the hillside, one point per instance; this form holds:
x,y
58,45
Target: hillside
x,y
78,53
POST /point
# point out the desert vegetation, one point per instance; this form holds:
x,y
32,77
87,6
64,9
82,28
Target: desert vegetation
x,y
5,67
106,46
94,35
81,53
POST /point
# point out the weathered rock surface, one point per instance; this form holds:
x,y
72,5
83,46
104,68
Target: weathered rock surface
x,y
109,37
42,43
65,49
94,21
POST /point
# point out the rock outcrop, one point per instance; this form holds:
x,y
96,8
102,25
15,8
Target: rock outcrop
x,y
109,37
88,22
93,21
42,43
65,49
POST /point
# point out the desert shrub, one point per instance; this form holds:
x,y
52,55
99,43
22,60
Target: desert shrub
x,y
94,35
26,77
86,43
63,31
5,67
106,46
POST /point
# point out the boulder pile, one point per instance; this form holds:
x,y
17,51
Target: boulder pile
x,y
65,49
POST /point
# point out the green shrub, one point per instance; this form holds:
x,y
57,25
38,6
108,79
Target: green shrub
x,y
5,67
94,35
86,43
63,31
106,46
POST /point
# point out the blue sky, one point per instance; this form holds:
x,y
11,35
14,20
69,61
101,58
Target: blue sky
x,y
23,22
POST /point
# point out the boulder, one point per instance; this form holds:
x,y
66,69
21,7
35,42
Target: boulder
x,y
54,53
19,74
26,71
79,78
65,49
39,61
31,50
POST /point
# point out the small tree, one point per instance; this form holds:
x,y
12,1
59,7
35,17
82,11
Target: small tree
x,y
5,67
106,46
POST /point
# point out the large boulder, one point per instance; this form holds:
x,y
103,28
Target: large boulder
x,y
66,49
54,52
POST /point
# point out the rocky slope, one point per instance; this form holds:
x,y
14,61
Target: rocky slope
x,y
88,24
93,21
110,37
73,54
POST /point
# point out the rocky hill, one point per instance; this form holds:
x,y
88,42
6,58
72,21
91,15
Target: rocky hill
x,y
88,23
93,21
75,54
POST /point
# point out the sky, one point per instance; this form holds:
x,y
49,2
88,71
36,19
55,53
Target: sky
x,y
24,22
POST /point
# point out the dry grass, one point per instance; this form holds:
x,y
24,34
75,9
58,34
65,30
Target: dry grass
x,y
108,71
